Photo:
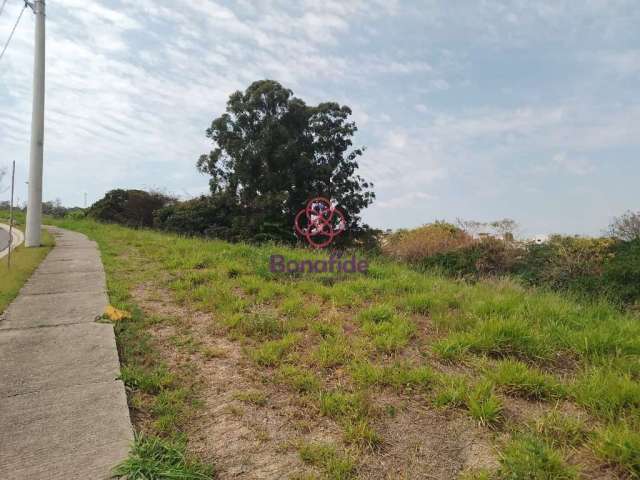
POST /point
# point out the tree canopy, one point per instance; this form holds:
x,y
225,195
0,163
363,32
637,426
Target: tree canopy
x,y
273,152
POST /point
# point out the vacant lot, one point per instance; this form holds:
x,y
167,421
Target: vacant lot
x,y
389,374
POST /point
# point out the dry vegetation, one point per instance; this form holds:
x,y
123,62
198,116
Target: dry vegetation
x,y
392,374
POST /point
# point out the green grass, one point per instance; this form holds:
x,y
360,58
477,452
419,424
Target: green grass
x,y
518,379
335,465
561,430
529,458
619,445
153,458
483,404
350,347
23,262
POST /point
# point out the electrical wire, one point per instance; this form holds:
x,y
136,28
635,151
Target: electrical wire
x,y
13,30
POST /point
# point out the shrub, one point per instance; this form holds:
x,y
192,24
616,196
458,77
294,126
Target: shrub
x,y
487,256
420,243
133,208
206,215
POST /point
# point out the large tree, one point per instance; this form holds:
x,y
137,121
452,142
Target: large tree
x,y
273,152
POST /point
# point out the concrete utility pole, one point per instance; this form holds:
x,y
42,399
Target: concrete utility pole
x,y
34,205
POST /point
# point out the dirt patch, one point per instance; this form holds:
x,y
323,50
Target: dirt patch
x,y
256,436
431,444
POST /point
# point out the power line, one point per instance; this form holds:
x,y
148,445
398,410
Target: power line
x,y
13,30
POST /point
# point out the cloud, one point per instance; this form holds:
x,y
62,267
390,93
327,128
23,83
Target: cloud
x,y
411,199
572,165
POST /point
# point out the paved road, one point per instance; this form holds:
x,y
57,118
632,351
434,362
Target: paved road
x,y
4,239
63,414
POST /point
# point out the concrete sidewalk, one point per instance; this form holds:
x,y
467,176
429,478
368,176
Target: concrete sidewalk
x,y
63,414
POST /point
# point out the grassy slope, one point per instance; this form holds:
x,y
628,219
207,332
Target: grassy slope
x,y
23,262
478,347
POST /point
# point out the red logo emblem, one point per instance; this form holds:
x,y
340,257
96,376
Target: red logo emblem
x,y
320,222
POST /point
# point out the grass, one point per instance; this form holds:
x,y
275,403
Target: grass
x,y
156,458
530,458
620,445
519,379
483,404
335,465
23,262
351,347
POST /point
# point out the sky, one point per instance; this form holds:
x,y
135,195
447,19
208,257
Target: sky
x,y
472,109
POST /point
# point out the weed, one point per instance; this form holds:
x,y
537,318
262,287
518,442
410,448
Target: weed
x,y
606,393
154,458
420,304
332,352
390,336
483,405
400,376
360,432
260,326
560,430
254,397
377,314
302,381
338,404
213,352
451,392
337,466
169,408
529,458
452,348
151,382
516,378
270,353
619,445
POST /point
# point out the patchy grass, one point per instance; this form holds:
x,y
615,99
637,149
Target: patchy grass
x,y
483,404
619,445
530,458
519,379
348,356
155,458
335,465
23,262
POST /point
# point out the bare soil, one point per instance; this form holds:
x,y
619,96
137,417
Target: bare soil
x,y
259,440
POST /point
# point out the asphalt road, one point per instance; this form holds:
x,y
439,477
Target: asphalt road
x,y
4,239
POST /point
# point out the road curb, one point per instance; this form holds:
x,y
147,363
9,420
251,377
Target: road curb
x,y
18,238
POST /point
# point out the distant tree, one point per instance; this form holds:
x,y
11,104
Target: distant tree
x,y
626,227
506,228
54,208
472,227
134,208
273,152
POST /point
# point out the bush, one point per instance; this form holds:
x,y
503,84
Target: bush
x,y
133,208
418,244
205,215
586,266
487,256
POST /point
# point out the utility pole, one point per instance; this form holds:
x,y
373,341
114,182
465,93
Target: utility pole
x,y
85,199
13,180
34,205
